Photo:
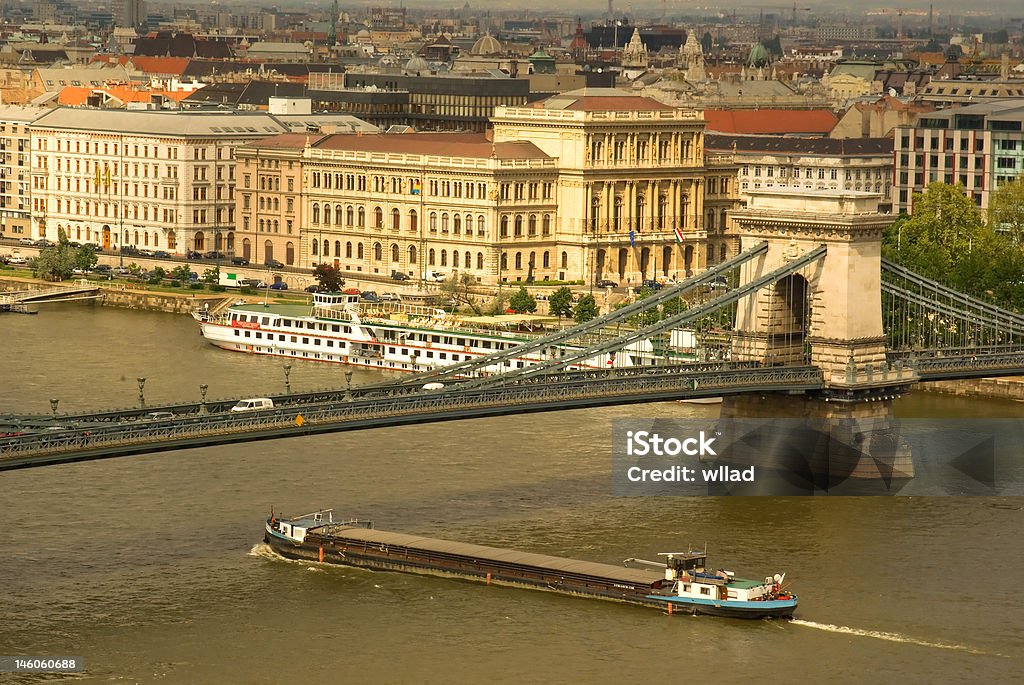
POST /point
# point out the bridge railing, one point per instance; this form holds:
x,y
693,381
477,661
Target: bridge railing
x,y
555,392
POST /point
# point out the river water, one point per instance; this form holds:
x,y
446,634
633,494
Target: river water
x,y
152,567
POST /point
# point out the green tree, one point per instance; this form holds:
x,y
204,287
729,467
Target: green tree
x,y
499,304
522,302
180,273
674,306
157,275
1006,209
459,290
328,277
212,275
585,310
560,303
55,262
85,257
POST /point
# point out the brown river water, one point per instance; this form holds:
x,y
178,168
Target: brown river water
x,y
152,568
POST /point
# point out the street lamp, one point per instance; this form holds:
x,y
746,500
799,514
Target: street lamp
x,y
142,396
53,406
287,384
348,385
202,394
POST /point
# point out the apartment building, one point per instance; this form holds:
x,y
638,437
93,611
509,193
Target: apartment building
x,y
15,170
978,147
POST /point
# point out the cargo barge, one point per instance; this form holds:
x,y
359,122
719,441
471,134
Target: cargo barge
x,y
682,585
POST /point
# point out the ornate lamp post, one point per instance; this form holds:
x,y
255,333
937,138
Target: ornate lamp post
x,y
142,395
287,374
53,406
202,394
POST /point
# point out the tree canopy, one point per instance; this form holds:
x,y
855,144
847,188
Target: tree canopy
x,y
585,310
328,277
522,302
560,303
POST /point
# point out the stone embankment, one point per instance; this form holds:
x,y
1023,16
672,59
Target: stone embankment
x,y
126,297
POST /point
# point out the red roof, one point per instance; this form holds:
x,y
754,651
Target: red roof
x,y
770,121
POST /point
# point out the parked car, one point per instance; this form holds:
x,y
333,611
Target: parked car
x,y
102,268
606,283
279,285
120,271
433,277
351,291
399,276
273,264
161,254
240,261
160,415
653,285
16,259
313,288
192,254
27,241
369,295
389,297
214,255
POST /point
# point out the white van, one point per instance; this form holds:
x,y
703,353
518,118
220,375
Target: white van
x,y
433,277
253,403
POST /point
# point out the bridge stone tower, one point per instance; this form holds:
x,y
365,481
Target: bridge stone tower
x,y
832,306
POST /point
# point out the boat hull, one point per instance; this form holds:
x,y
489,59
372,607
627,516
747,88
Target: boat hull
x,y
779,608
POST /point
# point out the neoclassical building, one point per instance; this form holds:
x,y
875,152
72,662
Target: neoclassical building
x,y
586,185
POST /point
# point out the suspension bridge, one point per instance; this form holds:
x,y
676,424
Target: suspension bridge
x,y
19,301
812,311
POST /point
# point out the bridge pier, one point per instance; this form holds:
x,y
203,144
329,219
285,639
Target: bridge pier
x,y
839,441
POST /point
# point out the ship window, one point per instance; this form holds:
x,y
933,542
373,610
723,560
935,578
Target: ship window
x,y
405,350
686,588
236,332
266,320
442,355
305,341
435,338
311,326
259,335
487,344
334,328
705,591
293,340
430,355
247,334
316,341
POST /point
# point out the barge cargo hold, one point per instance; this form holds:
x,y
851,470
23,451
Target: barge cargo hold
x,y
682,585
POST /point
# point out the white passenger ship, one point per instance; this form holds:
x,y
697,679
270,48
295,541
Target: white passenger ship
x,y
389,335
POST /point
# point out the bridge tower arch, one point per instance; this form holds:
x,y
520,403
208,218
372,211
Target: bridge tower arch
x,y
830,312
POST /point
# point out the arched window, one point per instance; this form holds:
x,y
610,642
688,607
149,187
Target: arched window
x,y
469,260
565,260
455,259
359,251
545,226
396,254
432,222
444,222
378,252
480,225
519,261
289,253
616,213
350,215
262,227
479,261
722,252
469,224
412,254
430,257
337,248
316,213
396,219
263,203
277,226
378,217
518,226
457,224
348,250
504,261
504,227
444,257
326,249
337,215
362,217
533,225
711,220
547,260
268,251
316,247
413,218
327,215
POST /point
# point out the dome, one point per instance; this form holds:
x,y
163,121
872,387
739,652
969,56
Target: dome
x,y
758,56
487,45
416,64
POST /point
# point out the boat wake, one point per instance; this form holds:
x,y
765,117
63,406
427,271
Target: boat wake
x,y
891,637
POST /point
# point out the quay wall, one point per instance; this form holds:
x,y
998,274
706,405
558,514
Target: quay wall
x,y
1011,388
124,297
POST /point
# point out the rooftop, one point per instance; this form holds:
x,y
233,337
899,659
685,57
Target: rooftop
x,y
775,121
603,100
160,123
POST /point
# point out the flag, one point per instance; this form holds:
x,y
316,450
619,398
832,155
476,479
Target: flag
x,y
416,186
106,177
679,234
632,238
97,178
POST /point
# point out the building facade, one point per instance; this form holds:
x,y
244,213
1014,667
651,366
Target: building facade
x,y
778,162
978,147
15,170
144,179
585,186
